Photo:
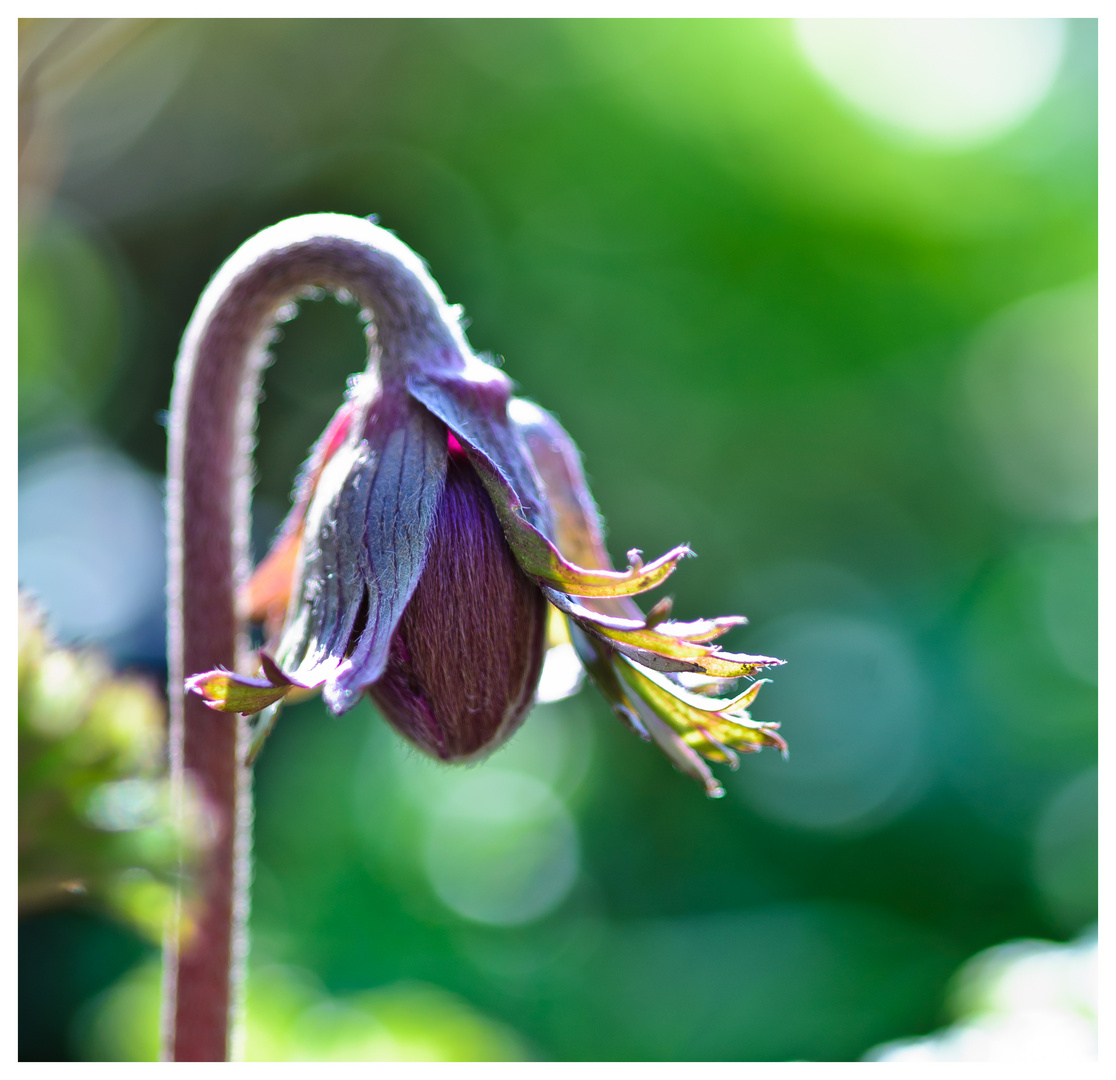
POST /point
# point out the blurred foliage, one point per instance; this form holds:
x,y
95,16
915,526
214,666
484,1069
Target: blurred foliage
x,y
855,370
1020,1001
289,1017
94,800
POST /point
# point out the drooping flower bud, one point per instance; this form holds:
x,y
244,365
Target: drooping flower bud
x,y
436,520
465,659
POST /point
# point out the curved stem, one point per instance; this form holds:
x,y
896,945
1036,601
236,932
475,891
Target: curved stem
x,y
213,416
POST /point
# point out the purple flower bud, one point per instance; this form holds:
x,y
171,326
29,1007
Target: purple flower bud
x,y
435,521
466,656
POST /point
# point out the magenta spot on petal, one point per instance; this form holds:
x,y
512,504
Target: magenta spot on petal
x,y
337,431
455,447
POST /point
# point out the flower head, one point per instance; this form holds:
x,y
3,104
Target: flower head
x,y
437,522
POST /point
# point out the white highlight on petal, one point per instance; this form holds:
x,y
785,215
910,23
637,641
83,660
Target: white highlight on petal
x,y
562,674
524,412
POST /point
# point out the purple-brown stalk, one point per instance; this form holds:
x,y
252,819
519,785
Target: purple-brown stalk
x,y
417,565
213,417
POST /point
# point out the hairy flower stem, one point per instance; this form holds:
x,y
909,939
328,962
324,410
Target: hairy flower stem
x,y
212,421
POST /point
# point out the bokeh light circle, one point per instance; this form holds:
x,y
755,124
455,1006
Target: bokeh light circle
x,y
1030,395
91,544
849,705
1065,852
950,81
501,848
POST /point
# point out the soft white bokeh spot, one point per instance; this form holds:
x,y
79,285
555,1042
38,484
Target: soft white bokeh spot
x,y
956,82
501,848
124,805
1023,1001
91,544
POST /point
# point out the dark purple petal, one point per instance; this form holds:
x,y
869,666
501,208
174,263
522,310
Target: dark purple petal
x,y
466,657
365,545
473,404
578,532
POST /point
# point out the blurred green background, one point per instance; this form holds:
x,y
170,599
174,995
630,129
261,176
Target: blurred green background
x,y
819,299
